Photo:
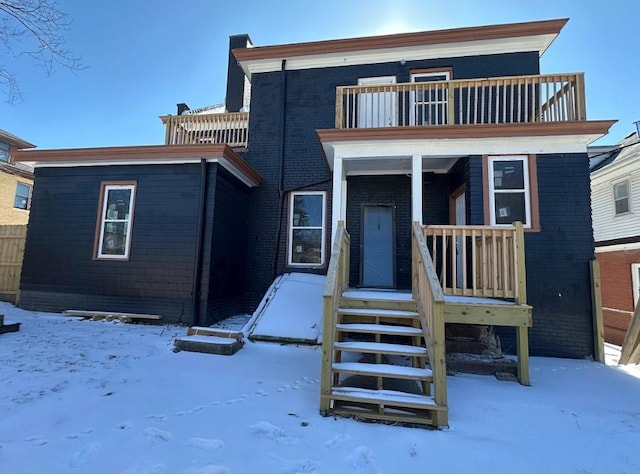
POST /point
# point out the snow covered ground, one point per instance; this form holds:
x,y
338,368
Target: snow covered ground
x,y
99,397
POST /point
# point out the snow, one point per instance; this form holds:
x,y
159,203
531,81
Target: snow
x,y
294,311
106,397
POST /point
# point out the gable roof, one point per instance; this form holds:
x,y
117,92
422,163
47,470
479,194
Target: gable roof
x,y
493,39
14,141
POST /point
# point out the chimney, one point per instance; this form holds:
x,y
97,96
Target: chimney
x,y
182,108
237,84
637,129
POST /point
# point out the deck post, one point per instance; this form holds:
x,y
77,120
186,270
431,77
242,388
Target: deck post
x,y
521,269
522,343
596,303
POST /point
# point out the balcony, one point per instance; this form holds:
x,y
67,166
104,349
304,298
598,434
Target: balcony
x,y
228,128
499,100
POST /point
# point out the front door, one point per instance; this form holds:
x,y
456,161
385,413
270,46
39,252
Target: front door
x,y
378,246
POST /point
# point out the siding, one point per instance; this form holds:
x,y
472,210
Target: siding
x,y
557,257
606,225
310,105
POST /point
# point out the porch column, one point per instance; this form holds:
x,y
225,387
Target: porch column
x,y
416,188
339,202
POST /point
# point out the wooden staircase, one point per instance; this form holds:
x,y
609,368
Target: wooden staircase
x,y
379,359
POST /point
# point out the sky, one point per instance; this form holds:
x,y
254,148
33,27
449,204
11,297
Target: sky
x,y
141,58
105,397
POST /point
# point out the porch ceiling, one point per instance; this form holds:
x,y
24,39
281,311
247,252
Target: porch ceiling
x,y
385,165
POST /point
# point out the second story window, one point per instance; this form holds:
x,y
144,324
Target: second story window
x,y
4,152
23,196
429,100
621,197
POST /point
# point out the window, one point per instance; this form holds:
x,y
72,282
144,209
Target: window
x,y
635,278
306,229
23,196
4,152
621,197
509,194
114,223
429,103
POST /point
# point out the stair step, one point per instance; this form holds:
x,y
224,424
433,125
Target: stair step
x,y
374,312
380,329
380,348
384,370
385,397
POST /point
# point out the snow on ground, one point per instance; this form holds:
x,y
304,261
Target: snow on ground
x,y
102,397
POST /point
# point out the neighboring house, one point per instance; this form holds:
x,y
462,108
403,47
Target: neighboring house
x,y
615,204
442,127
16,181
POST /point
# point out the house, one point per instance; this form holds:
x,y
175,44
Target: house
x,y
615,202
16,181
441,163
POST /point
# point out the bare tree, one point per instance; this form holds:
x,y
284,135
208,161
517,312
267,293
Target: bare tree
x,y
33,28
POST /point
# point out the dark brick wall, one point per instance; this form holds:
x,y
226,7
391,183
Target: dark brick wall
x,y
310,105
557,257
59,271
617,292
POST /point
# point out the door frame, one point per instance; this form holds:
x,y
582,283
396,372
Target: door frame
x,y
389,96
392,206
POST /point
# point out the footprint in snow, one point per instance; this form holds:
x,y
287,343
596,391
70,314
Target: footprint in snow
x,y
82,457
156,434
124,425
146,467
158,418
208,469
180,413
195,410
205,443
363,460
337,440
37,440
300,465
267,430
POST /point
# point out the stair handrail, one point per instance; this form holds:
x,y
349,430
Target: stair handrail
x,y
337,281
429,298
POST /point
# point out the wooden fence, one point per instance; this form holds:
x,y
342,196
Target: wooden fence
x,y
12,238
229,128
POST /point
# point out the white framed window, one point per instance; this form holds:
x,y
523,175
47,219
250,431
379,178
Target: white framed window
x,y
621,198
509,190
307,216
429,103
23,196
115,220
635,279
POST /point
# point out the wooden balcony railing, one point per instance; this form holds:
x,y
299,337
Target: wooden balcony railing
x,y
229,128
480,261
498,100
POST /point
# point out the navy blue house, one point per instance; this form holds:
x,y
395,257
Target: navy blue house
x,y
444,128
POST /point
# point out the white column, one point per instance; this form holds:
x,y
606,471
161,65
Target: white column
x,y
339,198
416,188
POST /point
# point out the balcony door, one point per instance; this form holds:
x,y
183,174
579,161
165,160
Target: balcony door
x,y
429,99
377,108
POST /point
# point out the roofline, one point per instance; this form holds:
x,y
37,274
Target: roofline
x,y
454,35
132,154
14,141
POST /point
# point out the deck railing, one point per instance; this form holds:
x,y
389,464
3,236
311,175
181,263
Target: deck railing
x,y
513,99
337,282
481,261
229,128
430,300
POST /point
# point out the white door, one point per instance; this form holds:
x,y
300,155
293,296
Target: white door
x,y
460,220
377,109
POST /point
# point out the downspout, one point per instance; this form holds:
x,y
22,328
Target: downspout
x,y
281,193
197,267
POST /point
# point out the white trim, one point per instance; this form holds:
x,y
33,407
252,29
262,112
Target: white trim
x,y
526,191
103,220
226,164
519,44
337,197
416,188
635,279
618,247
290,229
458,147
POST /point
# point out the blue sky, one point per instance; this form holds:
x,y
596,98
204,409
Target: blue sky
x,y
143,57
